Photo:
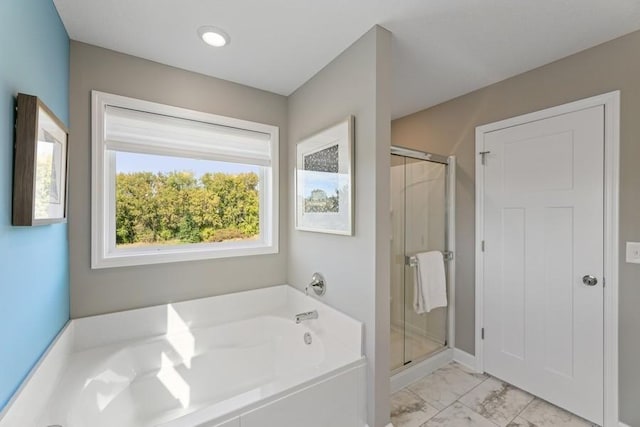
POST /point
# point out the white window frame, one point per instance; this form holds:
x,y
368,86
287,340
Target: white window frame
x,y
104,253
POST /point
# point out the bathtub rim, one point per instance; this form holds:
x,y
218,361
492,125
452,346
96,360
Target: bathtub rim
x,y
351,335
29,402
44,373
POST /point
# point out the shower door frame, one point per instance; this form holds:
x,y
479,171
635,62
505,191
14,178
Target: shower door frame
x,y
450,264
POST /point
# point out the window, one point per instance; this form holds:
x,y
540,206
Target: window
x,y
170,184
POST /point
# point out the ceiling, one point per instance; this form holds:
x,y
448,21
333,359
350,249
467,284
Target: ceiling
x,y
441,48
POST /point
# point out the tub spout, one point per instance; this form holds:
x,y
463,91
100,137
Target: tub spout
x,y
300,317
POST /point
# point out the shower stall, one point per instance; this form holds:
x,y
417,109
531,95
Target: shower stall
x,y
422,218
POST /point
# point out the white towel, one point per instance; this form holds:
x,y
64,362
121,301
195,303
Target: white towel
x,y
430,282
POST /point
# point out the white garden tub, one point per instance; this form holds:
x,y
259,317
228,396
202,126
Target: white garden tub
x,y
231,360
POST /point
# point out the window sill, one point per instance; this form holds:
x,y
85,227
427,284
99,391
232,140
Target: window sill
x,y
171,254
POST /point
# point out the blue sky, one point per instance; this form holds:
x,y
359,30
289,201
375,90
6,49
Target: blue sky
x,y
328,182
133,162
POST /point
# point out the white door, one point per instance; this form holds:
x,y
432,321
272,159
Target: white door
x,y
543,213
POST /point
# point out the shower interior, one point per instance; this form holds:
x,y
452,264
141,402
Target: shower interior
x,y
421,216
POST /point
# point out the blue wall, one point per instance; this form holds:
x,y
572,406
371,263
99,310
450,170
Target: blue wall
x,y
34,261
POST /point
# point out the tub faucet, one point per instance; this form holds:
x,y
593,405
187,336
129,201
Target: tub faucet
x,y
308,315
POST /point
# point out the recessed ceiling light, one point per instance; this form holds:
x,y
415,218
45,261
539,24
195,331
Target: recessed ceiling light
x,y
213,36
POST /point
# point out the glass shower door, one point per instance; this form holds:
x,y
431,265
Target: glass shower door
x,y
419,224
397,262
425,230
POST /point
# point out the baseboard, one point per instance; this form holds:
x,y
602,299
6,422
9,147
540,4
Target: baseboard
x,y
466,359
623,424
35,389
420,369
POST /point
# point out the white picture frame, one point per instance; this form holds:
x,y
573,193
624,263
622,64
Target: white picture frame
x,y
324,179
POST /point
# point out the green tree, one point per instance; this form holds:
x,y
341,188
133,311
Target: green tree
x,y
177,207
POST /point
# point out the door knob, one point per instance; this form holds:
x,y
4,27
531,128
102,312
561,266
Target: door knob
x,y
589,280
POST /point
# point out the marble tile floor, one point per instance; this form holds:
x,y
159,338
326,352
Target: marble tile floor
x,y
454,396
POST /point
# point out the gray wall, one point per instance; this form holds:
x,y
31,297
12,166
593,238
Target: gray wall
x,y
356,268
449,129
115,289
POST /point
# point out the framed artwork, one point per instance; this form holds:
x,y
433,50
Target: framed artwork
x,y
324,180
40,165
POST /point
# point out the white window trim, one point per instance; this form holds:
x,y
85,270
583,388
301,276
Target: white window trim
x,y
103,251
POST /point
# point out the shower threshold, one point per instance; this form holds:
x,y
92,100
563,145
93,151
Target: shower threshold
x,y
419,368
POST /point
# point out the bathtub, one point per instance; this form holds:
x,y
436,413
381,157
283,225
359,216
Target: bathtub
x,y
228,361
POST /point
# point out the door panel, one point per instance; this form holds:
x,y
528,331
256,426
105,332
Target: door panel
x,y
558,254
543,230
512,301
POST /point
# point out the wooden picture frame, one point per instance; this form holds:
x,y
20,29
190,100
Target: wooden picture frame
x,y
325,180
41,154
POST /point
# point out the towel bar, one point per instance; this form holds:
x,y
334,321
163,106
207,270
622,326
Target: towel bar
x,y
412,261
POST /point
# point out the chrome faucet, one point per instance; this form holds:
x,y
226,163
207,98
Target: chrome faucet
x,y
308,315
317,284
